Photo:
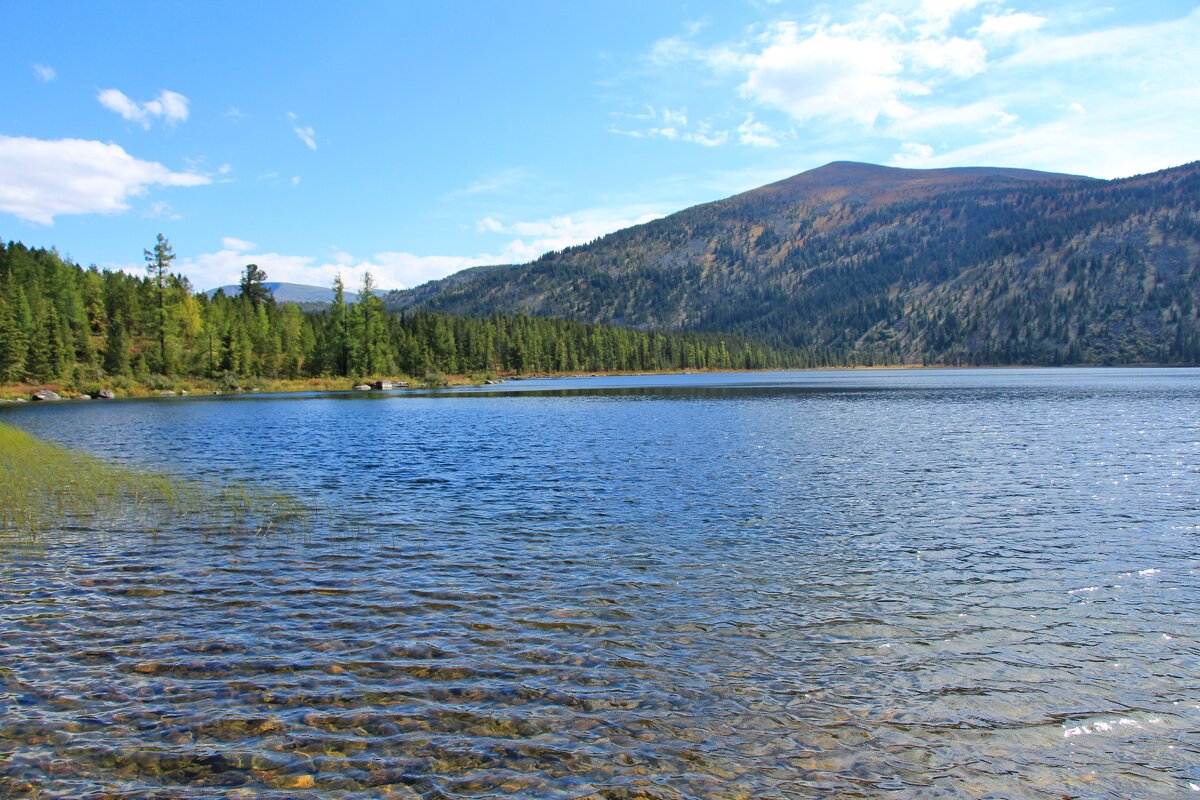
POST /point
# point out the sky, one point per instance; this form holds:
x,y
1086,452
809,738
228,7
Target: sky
x,y
414,139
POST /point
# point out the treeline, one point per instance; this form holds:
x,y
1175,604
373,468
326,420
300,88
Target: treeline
x,y
62,323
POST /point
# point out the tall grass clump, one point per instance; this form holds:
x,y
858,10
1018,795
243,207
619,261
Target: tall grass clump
x,y
46,488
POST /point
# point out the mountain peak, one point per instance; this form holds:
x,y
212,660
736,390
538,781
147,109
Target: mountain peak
x,y
862,182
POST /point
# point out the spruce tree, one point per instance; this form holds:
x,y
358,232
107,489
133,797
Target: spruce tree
x,y
158,264
13,345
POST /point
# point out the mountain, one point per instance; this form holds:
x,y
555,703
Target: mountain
x,y
299,293
962,265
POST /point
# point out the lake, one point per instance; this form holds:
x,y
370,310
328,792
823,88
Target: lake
x,y
937,583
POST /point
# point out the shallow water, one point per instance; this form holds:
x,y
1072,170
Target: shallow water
x,y
933,583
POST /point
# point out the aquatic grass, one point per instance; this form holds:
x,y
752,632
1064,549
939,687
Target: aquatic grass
x,y
46,488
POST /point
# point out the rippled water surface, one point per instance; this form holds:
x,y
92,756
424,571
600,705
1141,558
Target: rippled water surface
x,y
925,584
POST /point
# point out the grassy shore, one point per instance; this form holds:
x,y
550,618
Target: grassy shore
x,y
45,489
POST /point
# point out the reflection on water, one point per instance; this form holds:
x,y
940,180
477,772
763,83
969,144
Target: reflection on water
x,y
943,584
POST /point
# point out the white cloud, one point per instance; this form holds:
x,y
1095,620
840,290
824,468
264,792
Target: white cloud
x,y
44,179
1005,26
936,16
870,66
400,269
837,74
304,133
295,180
629,133
169,106
707,138
44,73
912,154
677,117
237,245
962,58
756,134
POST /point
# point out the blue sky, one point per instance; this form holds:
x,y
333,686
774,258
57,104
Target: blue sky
x,y
415,139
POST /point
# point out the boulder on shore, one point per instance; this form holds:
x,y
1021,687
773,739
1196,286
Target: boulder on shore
x,y
45,395
166,393
362,387
104,394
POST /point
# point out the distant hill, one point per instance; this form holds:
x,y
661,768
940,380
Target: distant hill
x,y
299,293
963,265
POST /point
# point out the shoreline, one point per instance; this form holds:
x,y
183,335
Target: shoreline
x,y
202,387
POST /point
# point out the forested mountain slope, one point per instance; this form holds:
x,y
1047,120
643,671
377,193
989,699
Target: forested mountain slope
x,y
968,265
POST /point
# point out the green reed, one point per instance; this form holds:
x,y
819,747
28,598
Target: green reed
x,y
46,488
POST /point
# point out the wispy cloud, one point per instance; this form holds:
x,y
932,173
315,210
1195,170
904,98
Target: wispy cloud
x,y
493,182
304,132
168,106
668,123
44,73
161,209
44,179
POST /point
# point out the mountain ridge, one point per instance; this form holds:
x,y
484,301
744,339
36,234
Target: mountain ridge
x,y
955,265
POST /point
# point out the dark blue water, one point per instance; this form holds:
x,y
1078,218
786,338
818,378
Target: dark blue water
x,y
938,583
